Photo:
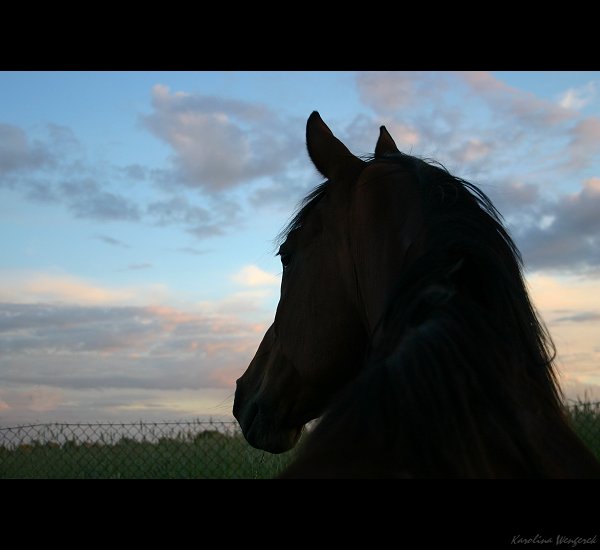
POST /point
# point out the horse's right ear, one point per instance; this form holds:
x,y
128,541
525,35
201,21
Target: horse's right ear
x,y
385,144
329,155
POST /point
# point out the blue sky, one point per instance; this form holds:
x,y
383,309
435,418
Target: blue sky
x,y
138,212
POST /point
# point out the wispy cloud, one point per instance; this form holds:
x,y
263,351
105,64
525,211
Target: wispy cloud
x,y
516,103
111,241
138,267
18,286
579,317
564,295
577,98
198,220
88,199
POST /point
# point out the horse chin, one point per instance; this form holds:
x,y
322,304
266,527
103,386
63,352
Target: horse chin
x,y
264,435
274,442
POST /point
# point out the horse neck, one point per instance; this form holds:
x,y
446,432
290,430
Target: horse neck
x,y
436,399
465,359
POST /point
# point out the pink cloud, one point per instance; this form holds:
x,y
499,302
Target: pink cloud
x,y
30,287
387,90
524,106
254,276
585,142
473,150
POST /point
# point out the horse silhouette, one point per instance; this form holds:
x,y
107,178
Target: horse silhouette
x,y
404,324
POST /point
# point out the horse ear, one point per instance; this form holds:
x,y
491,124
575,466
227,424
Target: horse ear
x,y
328,153
385,144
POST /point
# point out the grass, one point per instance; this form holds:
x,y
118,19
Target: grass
x,y
207,454
585,419
166,451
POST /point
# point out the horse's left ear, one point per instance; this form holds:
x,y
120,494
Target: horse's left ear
x,y
385,144
329,155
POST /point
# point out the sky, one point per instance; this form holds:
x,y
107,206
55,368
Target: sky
x,y
138,212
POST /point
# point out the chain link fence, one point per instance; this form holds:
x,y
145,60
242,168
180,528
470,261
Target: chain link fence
x,y
585,418
199,449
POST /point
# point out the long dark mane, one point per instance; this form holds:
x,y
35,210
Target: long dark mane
x,y
459,378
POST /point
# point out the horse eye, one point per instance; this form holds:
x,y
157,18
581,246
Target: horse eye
x,y
286,258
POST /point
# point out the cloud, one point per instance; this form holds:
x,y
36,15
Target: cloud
x,y
18,152
519,203
217,215
565,295
361,133
569,237
87,199
77,405
44,287
518,104
421,112
584,143
138,267
570,307
42,170
578,98
246,304
199,221
21,153
219,143
111,241
157,347
113,361
44,174
404,135
386,92
36,400
28,287
579,317
136,172
92,352
285,192
473,150
253,276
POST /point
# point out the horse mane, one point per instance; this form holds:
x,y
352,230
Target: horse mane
x,y
304,209
461,380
